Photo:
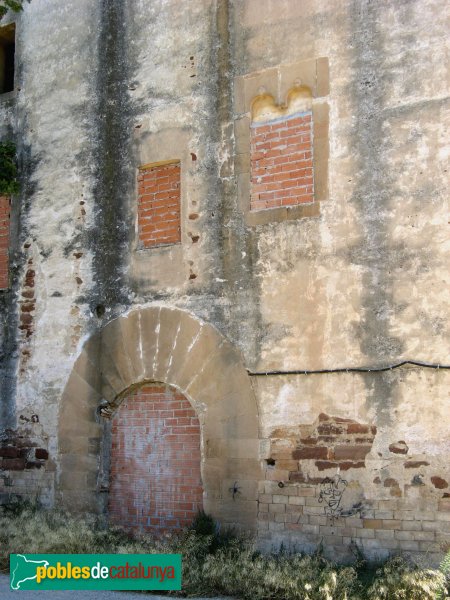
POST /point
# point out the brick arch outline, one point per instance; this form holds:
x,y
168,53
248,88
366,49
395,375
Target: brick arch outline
x,y
172,346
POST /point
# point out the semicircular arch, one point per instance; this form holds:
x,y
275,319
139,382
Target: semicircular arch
x,y
172,346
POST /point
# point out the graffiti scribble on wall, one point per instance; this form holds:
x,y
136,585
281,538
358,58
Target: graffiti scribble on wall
x,y
331,491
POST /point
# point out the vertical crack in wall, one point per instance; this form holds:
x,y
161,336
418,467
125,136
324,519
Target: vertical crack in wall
x,y
214,126
109,239
211,122
371,198
239,247
224,120
113,172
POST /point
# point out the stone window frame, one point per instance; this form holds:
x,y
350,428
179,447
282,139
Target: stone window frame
x,y
277,81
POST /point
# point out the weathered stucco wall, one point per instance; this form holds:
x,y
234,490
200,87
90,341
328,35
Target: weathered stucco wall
x,y
360,281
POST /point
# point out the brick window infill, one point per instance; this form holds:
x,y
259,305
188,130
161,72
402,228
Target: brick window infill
x,y
159,204
282,162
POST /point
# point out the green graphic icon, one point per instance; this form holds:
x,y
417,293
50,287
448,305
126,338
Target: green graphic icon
x,y
24,570
95,572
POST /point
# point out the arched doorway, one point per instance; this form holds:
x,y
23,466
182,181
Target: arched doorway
x,y
155,480
171,345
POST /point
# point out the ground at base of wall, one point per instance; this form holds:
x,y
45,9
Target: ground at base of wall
x,y
220,561
7,593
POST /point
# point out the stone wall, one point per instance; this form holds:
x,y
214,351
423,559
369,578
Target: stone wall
x,y
317,478
356,278
4,241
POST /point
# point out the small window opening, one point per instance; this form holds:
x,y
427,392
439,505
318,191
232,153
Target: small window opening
x,y
7,52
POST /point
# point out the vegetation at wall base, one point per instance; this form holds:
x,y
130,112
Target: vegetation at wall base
x,y
8,169
445,569
218,561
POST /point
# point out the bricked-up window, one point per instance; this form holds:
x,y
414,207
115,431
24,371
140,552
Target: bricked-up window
x,y
159,204
4,241
281,150
281,155
7,51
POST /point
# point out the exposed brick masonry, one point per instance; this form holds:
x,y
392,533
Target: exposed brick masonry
x,y
4,241
282,162
159,205
26,470
308,460
27,302
18,458
332,443
155,461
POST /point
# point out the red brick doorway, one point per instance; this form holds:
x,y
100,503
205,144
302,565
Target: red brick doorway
x,y
155,482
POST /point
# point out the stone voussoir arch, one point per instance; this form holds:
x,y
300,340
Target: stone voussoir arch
x,y
172,346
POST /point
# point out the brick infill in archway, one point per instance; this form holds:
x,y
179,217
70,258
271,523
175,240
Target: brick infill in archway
x,y
155,461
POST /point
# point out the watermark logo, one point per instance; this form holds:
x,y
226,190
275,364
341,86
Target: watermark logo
x,y
95,571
